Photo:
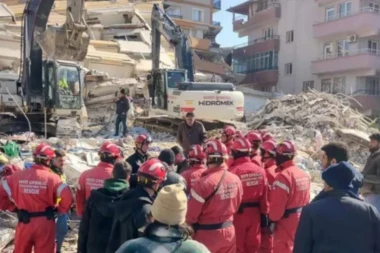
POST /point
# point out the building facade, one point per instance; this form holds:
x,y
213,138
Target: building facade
x,y
328,45
196,19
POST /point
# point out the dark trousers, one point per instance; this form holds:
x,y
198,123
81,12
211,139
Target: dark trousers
x,y
121,118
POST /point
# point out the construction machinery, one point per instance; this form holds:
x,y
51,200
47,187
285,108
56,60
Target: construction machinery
x,y
46,91
173,92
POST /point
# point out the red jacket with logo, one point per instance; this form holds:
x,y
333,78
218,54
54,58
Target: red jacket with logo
x,y
271,171
222,206
91,180
35,190
193,174
256,159
229,145
254,182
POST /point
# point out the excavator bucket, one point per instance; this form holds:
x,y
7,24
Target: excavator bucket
x,y
63,43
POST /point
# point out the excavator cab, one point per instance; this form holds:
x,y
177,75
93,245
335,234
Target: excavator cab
x,y
62,85
163,80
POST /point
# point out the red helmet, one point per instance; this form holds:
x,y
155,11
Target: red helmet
x,y
110,148
9,170
143,138
253,136
239,134
269,146
44,151
229,130
241,144
267,137
286,148
196,153
153,169
216,149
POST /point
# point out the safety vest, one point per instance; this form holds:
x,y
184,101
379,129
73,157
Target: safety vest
x,y
62,84
63,178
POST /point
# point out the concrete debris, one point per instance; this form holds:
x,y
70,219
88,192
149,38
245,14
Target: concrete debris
x,y
314,118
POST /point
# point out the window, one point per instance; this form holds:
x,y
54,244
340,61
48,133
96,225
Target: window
x,y
372,86
198,15
174,12
330,13
307,85
268,33
288,68
373,46
344,9
328,50
374,7
258,62
326,85
339,85
342,47
289,36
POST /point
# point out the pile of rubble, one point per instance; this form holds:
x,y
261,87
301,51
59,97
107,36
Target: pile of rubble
x,y
313,118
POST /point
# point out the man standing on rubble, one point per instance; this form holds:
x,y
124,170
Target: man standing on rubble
x,y
140,156
132,211
255,139
62,227
339,221
96,224
35,193
180,159
214,200
190,132
290,193
254,207
122,108
371,173
94,178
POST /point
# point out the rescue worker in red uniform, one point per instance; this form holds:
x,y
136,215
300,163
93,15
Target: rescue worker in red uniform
x,y
214,200
196,158
290,193
228,135
268,156
255,139
267,136
254,205
35,193
7,170
94,178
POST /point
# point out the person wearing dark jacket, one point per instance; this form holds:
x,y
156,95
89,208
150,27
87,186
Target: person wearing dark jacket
x,y
140,156
180,159
339,221
168,233
96,223
167,157
333,153
122,108
132,212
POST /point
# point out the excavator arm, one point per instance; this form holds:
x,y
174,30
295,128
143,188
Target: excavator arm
x,y
68,42
162,24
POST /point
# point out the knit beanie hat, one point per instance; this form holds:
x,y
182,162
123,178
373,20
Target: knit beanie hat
x,y
170,205
340,176
167,156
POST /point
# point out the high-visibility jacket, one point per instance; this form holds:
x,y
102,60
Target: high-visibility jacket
x,y
62,84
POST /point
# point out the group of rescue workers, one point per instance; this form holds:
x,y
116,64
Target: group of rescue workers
x,y
237,193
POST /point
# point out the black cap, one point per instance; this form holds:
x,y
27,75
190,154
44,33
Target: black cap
x,y
340,176
167,156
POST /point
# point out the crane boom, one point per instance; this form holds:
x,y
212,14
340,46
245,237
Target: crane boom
x,y
68,42
162,24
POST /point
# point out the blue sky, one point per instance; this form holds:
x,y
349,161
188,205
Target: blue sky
x,y
227,37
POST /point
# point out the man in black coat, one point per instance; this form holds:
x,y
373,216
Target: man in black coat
x,y
338,222
96,223
122,108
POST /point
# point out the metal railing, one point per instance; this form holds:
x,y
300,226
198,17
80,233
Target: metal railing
x,y
348,14
245,18
174,15
373,92
216,23
258,40
361,51
217,4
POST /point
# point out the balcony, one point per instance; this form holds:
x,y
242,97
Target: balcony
x,y
366,101
216,23
217,5
175,16
366,60
257,46
262,79
263,14
364,22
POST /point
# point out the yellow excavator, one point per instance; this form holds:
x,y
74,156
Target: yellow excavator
x,y
49,86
